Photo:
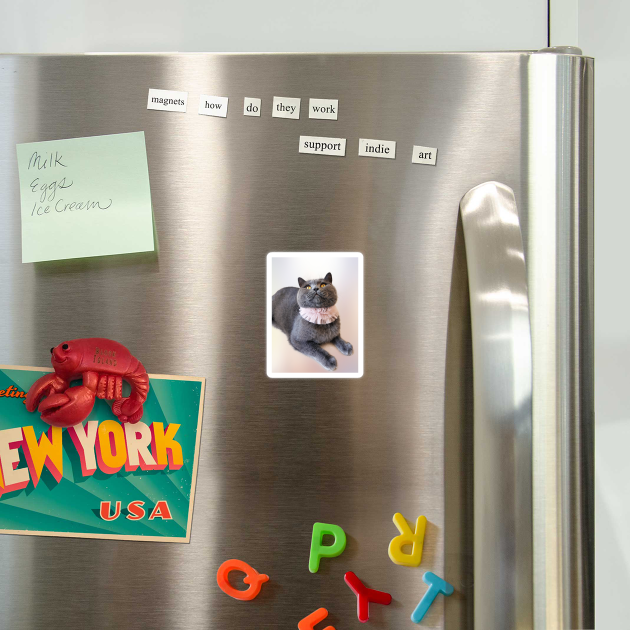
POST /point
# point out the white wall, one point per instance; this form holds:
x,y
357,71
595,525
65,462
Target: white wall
x,y
603,27
270,25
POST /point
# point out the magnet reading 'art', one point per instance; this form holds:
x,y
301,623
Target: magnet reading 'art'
x,y
102,364
252,577
407,537
319,551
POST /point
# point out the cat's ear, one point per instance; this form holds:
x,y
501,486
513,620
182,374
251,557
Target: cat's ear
x,y
301,282
328,277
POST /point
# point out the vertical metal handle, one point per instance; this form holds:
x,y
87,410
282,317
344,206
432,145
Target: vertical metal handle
x,y
502,373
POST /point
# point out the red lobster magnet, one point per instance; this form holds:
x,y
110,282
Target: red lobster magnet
x,y
103,364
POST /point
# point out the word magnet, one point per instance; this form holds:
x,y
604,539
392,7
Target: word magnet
x,y
407,537
319,551
365,595
252,577
323,108
285,107
436,586
167,100
251,106
424,155
377,148
322,146
213,106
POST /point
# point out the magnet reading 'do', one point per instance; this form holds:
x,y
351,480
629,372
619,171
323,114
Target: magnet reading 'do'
x,y
102,364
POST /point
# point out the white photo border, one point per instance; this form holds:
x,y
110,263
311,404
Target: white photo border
x,y
360,348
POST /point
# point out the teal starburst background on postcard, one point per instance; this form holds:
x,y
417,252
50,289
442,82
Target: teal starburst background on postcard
x,y
72,505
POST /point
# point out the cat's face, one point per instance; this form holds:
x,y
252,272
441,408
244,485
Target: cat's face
x,y
319,293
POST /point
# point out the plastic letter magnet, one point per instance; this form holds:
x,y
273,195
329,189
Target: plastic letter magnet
x,y
319,551
436,586
252,577
407,537
365,596
308,623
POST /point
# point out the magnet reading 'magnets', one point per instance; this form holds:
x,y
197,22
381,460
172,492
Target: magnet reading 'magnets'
x,y
102,364
308,316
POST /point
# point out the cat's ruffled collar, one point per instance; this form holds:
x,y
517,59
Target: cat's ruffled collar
x,y
320,315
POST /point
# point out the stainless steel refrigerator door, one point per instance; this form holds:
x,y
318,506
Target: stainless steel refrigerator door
x,y
277,455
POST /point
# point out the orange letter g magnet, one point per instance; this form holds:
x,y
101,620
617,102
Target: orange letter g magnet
x,y
252,577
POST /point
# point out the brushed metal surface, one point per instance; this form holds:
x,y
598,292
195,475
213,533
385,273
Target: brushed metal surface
x,y
502,368
560,276
226,192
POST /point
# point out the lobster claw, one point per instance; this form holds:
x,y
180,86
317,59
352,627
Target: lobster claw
x,y
43,386
68,408
128,410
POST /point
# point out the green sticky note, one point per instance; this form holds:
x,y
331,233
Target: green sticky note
x,y
85,197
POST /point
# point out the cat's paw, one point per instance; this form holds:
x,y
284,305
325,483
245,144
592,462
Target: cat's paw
x,y
347,349
330,363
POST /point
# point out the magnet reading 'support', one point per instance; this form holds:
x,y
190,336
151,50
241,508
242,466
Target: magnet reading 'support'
x,y
103,364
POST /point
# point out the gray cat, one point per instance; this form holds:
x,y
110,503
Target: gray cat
x,y
308,316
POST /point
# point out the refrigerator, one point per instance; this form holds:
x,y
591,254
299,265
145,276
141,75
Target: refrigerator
x,y
468,397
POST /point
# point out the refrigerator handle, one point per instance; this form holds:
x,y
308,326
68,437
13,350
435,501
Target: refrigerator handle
x,y
502,374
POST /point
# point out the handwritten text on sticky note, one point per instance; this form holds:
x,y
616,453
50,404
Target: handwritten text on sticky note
x,y
85,197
